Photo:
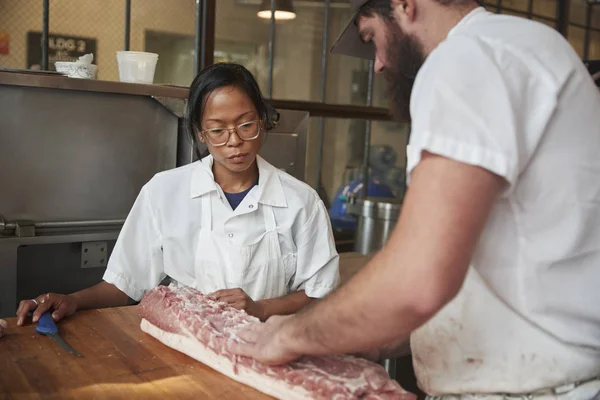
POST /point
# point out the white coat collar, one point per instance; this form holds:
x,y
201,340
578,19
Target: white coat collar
x,y
468,18
270,189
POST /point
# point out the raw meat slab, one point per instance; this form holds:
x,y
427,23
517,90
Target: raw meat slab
x,y
199,326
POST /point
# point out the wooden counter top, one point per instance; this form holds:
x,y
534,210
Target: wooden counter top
x,y
120,361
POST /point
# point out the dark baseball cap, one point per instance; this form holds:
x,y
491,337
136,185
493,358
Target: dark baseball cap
x,y
349,42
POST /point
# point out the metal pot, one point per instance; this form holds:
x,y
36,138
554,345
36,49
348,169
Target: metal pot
x,y
377,217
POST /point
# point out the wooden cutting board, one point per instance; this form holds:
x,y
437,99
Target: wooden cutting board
x,y
120,362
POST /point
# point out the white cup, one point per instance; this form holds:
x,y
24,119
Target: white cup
x,y
136,66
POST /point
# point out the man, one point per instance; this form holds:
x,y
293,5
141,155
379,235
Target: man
x,y
494,265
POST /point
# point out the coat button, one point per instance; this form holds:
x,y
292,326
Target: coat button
x,y
251,206
230,235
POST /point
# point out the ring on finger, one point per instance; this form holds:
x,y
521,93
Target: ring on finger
x,y
36,302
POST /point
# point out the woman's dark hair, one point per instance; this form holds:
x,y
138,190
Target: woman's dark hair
x,y
217,76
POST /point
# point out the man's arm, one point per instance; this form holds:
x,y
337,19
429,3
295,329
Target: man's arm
x,y
421,268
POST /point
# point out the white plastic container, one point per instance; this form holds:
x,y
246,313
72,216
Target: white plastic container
x,y
76,70
136,66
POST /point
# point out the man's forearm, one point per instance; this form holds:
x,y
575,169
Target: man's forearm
x,y
349,321
421,268
286,305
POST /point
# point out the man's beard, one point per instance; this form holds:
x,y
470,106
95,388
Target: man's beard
x,y
405,57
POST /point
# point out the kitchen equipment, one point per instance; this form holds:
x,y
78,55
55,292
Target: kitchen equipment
x,y
340,220
136,66
78,180
46,326
385,180
377,217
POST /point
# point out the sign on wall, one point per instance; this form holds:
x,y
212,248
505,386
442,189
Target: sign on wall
x,y
60,48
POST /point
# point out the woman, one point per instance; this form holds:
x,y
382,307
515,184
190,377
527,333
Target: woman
x,y
230,224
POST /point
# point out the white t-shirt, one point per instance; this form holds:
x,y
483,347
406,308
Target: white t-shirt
x,y
511,96
160,235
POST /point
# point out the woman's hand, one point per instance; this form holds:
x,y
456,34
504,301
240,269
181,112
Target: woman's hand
x,y
63,306
3,326
237,298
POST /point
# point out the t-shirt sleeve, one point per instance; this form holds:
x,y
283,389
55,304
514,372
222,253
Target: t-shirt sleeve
x,y
479,105
136,264
317,264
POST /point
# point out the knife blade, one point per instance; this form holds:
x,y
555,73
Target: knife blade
x,y
46,326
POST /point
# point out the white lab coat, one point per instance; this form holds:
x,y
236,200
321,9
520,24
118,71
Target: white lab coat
x,y
511,96
277,241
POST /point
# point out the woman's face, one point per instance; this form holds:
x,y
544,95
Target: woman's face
x,y
229,107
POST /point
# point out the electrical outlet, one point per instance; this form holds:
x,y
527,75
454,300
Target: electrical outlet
x,y
94,254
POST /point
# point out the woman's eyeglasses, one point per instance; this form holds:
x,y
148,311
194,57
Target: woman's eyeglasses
x,y
220,136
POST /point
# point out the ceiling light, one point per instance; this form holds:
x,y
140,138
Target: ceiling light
x,y
284,10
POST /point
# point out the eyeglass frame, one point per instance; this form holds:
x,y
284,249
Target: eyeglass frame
x,y
235,129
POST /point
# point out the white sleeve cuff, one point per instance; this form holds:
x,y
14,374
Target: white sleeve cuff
x,y
318,292
124,285
492,160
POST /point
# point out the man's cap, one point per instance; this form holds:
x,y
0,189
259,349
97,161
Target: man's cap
x,y
349,42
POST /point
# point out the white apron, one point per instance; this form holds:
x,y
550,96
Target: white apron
x,y
588,390
258,268
478,344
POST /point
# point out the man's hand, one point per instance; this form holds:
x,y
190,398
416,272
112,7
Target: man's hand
x,y
265,342
3,326
237,298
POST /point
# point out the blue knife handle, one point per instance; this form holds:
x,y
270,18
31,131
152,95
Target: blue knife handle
x,y
46,324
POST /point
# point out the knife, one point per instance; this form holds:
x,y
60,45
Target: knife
x,y
46,326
